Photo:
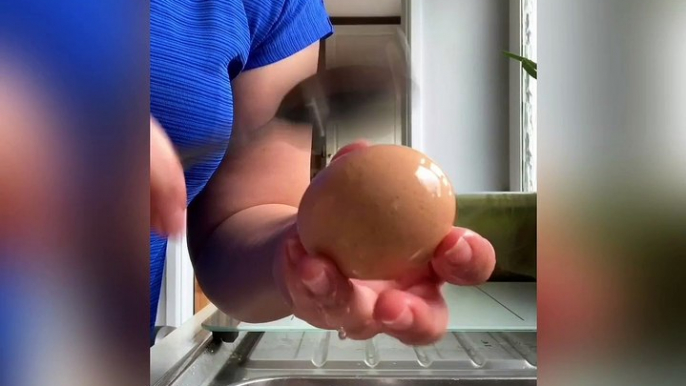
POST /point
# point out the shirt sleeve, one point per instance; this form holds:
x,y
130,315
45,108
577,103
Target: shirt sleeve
x,y
298,24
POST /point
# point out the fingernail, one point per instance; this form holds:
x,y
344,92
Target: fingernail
x,y
461,253
403,321
318,285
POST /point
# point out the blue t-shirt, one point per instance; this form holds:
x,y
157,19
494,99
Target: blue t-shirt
x,y
196,49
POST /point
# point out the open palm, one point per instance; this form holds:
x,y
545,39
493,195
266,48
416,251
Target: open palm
x,y
411,309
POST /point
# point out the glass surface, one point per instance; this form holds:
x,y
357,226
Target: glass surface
x,y
489,307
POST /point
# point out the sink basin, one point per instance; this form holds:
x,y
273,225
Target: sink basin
x,y
374,381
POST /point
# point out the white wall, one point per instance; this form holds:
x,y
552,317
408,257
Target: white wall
x,y
461,116
360,8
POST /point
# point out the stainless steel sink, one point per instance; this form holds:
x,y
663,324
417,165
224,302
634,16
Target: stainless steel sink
x,y
320,358
370,381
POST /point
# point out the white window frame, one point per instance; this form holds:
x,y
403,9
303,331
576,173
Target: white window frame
x,y
523,106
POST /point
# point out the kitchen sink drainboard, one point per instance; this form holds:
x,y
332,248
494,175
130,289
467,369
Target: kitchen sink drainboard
x,y
306,354
325,350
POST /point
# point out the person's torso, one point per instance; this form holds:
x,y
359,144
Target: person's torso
x,y
196,48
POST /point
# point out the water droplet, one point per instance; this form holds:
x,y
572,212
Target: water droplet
x,y
342,335
371,354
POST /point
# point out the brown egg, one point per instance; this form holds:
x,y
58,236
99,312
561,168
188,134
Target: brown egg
x,y
378,212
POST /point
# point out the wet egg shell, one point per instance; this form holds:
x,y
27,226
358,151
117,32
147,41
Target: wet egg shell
x,y
378,212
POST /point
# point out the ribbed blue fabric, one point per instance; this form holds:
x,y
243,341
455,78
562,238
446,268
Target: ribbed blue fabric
x,y
196,49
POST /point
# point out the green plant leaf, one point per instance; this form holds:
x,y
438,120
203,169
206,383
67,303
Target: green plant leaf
x,y
514,56
530,69
528,65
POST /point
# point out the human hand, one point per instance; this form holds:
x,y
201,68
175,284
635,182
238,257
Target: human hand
x,y
167,184
411,309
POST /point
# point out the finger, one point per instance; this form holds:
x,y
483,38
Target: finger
x,y
360,144
464,258
324,297
357,320
341,303
415,317
368,331
167,185
315,280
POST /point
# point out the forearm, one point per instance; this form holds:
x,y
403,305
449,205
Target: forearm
x,y
235,265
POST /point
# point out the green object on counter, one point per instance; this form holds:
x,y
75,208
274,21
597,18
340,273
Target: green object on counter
x,y
508,221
